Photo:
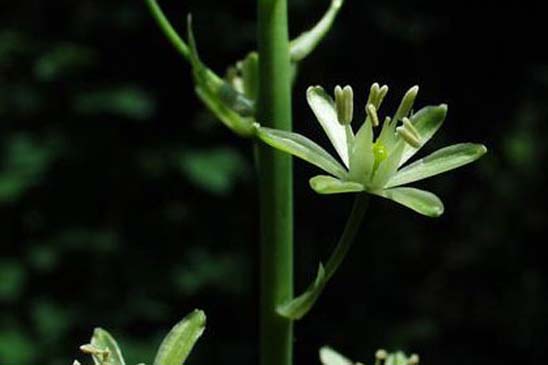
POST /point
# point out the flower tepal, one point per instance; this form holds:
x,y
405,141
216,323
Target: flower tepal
x,y
375,162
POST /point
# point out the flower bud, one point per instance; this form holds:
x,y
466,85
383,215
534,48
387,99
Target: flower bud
x,y
344,102
381,354
413,359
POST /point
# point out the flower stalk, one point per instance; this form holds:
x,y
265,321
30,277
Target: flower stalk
x,y
300,306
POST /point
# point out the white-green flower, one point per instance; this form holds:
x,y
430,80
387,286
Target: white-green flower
x,y
375,164
328,356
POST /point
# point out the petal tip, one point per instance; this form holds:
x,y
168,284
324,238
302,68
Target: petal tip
x,y
313,88
478,150
440,111
317,184
437,212
337,4
323,184
200,316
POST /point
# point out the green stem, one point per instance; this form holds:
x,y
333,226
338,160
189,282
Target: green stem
x,y
276,180
299,307
348,236
168,29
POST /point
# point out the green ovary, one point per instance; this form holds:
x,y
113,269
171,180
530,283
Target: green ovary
x,y
380,153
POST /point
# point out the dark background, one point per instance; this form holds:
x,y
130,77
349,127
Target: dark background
x,y
124,204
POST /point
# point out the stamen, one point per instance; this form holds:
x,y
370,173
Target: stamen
x,y
372,113
344,103
411,128
407,103
373,93
408,137
95,351
90,349
382,93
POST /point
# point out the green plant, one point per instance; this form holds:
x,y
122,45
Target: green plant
x,y
254,101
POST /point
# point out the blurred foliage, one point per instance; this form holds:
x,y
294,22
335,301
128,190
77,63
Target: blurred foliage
x,y
126,101
124,205
215,170
13,277
24,164
62,61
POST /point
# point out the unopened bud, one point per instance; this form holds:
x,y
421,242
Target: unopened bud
x,y
381,354
408,137
372,113
234,79
76,362
344,103
413,359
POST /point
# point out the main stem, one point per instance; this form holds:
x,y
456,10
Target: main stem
x,y
276,180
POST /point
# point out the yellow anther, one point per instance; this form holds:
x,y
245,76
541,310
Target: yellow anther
x,y
372,113
373,93
102,354
407,103
382,93
344,103
90,349
408,137
411,128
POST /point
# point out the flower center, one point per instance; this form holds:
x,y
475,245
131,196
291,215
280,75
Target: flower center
x,y
380,153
